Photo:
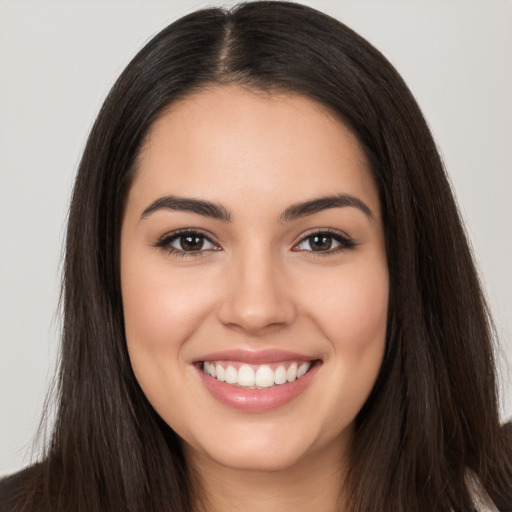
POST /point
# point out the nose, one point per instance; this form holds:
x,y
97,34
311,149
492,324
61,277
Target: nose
x,y
257,297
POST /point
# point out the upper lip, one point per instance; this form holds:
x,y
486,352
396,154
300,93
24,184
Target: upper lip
x,y
254,356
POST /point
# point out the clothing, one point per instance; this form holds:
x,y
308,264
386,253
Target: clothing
x,y
480,498
9,484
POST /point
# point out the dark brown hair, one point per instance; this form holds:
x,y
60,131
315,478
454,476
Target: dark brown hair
x,y
432,415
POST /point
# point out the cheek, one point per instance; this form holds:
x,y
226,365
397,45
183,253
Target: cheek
x,y
162,310
161,307
351,307
351,311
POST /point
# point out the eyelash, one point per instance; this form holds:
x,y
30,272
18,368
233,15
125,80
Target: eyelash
x,y
166,241
345,243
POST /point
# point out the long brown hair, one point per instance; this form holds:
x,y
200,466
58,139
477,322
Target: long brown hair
x,y
432,415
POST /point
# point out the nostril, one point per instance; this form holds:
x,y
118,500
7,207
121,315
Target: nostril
x,y
252,319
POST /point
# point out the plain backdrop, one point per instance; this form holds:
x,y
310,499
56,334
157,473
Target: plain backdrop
x,y
57,63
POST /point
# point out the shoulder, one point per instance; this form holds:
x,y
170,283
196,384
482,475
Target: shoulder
x,y
14,488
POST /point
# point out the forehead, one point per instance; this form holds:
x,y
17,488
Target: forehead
x,y
226,141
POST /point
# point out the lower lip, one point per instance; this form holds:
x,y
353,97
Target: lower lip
x,y
257,400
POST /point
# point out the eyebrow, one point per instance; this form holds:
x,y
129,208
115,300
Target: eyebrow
x,y
324,203
205,208
217,211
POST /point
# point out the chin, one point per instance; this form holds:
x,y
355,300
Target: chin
x,y
263,448
273,459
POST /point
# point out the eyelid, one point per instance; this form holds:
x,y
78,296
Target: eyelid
x,y
165,240
345,241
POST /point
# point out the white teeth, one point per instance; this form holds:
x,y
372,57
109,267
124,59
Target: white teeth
x,y
280,375
246,376
256,376
221,373
264,377
291,373
209,369
231,375
303,368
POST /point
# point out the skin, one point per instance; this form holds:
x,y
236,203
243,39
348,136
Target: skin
x,y
257,285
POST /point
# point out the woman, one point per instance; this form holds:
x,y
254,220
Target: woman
x,y
269,299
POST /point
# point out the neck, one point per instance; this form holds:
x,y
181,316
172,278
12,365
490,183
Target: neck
x,y
314,483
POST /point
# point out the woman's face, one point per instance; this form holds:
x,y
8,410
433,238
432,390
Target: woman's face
x,y
252,248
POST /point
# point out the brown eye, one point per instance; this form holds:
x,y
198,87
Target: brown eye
x,y
324,242
184,242
191,242
320,242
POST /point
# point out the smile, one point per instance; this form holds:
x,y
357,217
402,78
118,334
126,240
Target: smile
x,y
256,381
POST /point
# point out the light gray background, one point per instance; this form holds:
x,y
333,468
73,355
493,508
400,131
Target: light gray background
x,y
57,63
